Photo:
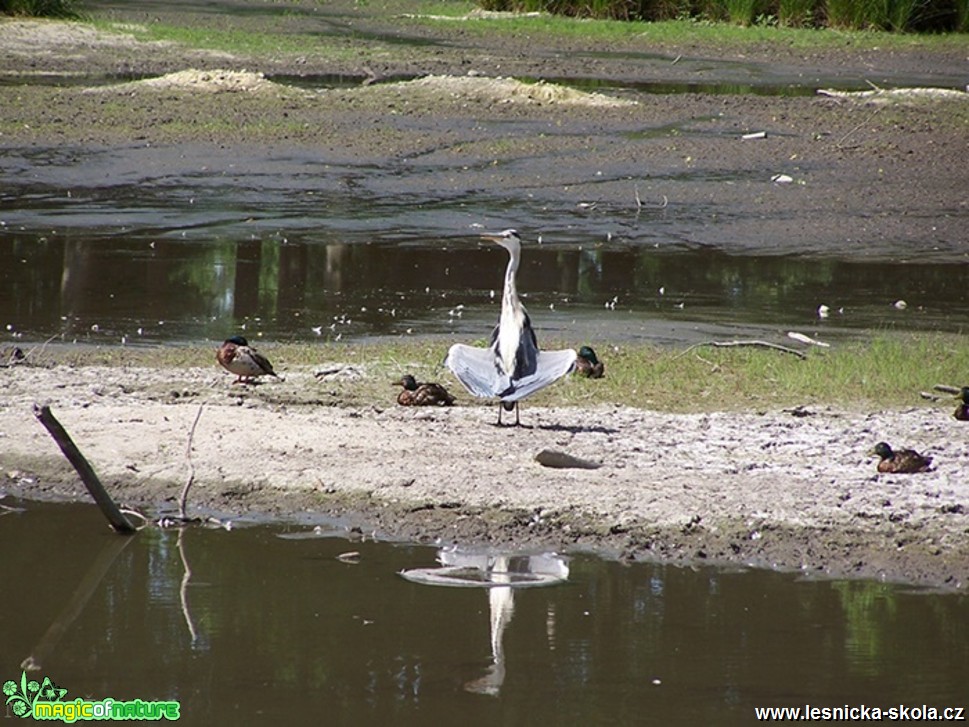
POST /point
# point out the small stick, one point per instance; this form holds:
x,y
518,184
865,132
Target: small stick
x,y
843,139
191,467
84,469
947,389
727,344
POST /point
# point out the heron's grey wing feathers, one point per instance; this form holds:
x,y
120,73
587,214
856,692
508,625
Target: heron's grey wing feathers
x,y
475,368
527,357
550,367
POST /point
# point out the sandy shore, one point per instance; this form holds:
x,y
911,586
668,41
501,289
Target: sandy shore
x,y
775,489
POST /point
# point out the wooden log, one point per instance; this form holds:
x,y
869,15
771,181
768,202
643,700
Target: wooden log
x,y
84,469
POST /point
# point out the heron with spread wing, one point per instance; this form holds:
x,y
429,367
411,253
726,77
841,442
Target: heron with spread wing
x,y
512,367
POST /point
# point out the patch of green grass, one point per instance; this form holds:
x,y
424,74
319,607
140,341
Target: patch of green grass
x,y
892,15
888,372
686,31
238,41
796,13
40,8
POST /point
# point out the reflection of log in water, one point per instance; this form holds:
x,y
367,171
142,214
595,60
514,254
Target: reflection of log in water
x,y
82,594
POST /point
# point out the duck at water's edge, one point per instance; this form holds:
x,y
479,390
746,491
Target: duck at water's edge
x,y
237,357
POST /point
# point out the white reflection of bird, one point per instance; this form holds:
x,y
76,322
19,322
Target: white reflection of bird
x,y
512,367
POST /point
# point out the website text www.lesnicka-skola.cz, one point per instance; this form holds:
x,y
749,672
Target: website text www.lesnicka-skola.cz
x,y
862,713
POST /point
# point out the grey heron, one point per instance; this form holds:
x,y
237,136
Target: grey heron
x,y
511,367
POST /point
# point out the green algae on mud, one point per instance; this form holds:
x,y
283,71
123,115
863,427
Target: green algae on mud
x,y
887,371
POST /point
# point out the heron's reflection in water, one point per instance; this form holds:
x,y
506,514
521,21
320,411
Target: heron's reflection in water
x,y
501,575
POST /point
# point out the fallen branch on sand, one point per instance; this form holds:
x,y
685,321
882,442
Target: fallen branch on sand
x,y
84,469
730,344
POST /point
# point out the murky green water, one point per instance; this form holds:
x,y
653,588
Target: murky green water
x,y
270,626
141,288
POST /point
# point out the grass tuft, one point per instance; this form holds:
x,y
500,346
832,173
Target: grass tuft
x,y
40,8
888,372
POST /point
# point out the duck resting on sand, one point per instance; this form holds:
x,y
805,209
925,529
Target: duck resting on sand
x,y
962,411
428,394
900,461
511,367
237,357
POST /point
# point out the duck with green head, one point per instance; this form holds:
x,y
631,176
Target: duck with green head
x,y
962,411
415,394
588,364
238,357
900,461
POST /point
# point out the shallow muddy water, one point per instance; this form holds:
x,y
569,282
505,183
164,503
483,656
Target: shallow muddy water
x,y
145,246
267,624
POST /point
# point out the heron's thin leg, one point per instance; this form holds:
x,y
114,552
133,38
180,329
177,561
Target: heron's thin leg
x,y
518,421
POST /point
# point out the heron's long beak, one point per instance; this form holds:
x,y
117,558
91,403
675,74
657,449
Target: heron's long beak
x,y
491,237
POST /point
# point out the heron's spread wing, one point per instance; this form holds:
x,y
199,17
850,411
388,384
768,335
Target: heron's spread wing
x,y
477,370
549,368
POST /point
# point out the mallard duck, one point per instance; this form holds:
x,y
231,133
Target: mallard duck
x,y
904,460
237,357
415,394
588,364
962,411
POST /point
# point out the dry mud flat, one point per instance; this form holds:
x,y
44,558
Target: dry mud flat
x,y
794,490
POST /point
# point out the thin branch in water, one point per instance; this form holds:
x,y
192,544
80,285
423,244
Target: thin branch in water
x,y
191,467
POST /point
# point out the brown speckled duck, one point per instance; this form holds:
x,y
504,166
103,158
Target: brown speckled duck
x,y
962,411
237,357
588,364
900,461
415,394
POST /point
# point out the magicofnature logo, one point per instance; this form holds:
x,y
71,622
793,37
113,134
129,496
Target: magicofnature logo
x,y
22,697
45,701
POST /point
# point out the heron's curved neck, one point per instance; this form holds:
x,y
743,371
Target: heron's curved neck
x,y
510,295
